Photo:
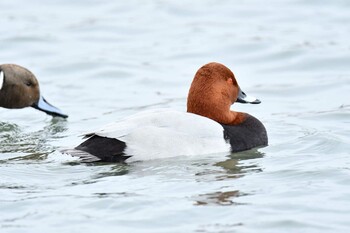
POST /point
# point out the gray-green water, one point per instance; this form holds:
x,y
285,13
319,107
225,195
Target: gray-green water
x,y
102,60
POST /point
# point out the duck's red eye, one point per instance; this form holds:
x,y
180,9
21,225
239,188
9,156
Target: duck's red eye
x,y
230,81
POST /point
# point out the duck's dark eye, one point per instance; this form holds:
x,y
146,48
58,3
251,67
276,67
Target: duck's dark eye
x,y
29,84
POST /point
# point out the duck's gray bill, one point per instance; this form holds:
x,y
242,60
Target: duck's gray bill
x,y
46,107
243,98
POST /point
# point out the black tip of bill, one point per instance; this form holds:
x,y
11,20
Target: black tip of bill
x,y
43,105
243,98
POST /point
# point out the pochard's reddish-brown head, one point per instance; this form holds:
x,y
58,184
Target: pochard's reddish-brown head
x,y
213,90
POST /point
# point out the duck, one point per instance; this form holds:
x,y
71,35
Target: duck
x,y
208,126
19,88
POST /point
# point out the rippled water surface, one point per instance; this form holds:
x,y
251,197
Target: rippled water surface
x,y
102,60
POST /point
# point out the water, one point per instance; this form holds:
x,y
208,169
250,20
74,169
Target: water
x,y
102,60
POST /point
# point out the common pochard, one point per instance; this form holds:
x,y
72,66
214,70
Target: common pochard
x,y
208,126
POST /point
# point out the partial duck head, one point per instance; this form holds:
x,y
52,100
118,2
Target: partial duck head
x,y
19,89
213,90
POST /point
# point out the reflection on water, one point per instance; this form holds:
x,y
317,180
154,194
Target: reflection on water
x,y
115,195
8,127
115,170
249,154
13,139
233,168
32,156
219,198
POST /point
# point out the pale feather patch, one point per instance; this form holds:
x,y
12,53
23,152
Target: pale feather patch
x,y
2,79
250,99
82,155
150,142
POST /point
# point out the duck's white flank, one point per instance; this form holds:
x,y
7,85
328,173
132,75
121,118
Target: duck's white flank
x,y
2,79
166,133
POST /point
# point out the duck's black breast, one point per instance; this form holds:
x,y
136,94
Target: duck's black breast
x,y
247,135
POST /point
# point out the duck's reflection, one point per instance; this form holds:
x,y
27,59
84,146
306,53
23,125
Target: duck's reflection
x,y
118,169
235,167
29,145
219,198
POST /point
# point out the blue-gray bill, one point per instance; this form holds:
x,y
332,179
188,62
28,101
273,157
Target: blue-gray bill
x,y
243,98
49,109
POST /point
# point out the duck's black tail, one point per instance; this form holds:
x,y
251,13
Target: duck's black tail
x,y
97,148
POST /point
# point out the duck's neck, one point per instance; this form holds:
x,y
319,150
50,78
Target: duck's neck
x,y
4,99
226,116
236,118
